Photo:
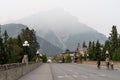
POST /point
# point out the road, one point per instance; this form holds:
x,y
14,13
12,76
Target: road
x,y
82,72
68,71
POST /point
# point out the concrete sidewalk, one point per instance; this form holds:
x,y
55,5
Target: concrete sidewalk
x,y
41,73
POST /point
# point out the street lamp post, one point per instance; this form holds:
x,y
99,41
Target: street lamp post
x,y
40,57
107,54
25,58
37,54
107,59
87,56
101,52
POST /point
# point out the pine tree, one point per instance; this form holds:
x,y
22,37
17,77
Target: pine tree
x,y
14,50
89,50
3,55
84,45
92,50
97,51
29,35
113,41
5,39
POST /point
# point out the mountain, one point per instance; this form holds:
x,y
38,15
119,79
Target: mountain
x,y
46,47
13,29
61,29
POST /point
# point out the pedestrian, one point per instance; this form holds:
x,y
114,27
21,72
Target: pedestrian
x,y
98,64
111,64
107,62
63,60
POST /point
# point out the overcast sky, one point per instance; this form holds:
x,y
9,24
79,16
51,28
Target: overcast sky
x,y
98,14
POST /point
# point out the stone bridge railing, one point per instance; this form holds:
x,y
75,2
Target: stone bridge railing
x,y
17,70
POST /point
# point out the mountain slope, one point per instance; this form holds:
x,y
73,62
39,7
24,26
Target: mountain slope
x,y
46,47
61,29
13,29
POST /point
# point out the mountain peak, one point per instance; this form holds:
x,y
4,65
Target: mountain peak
x,y
62,29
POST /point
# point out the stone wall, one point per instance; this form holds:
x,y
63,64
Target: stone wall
x,y
14,73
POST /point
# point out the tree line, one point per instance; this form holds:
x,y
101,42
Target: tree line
x,y
96,50
12,49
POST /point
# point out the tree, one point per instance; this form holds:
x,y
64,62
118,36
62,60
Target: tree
x,y
89,51
44,58
3,59
29,35
3,54
5,39
92,51
67,58
113,40
116,55
97,51
84,45
14,50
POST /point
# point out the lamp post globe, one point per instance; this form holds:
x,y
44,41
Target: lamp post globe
x,y
40,55
37,52
107,54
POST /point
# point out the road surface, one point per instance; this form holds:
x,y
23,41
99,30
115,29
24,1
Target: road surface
x,y
68,71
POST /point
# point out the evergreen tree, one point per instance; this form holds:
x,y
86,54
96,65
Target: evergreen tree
x,y
116,55
5,39
90,44
113,41
29,35
97,51
93,57
2,52
3,55
14,50
19,41
89,50
119,41
84,45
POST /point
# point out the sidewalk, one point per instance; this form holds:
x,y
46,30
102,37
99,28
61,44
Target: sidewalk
x,y
41,73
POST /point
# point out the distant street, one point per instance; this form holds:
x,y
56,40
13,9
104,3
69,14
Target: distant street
x,y
65,71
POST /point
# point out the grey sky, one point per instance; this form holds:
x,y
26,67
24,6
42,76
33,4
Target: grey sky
x,y
98,14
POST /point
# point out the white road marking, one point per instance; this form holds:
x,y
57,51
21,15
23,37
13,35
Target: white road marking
x,y
75,76
60,76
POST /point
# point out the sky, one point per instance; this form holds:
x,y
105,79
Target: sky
x,y
98,14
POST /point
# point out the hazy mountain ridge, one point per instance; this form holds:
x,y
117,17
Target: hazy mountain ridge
x,y
61,28
13,29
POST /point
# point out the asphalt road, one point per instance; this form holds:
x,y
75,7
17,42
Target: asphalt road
x,y
82,72
64,71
